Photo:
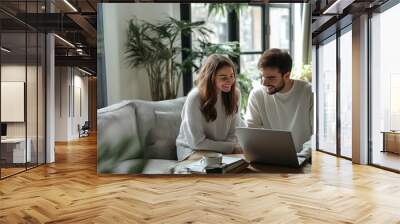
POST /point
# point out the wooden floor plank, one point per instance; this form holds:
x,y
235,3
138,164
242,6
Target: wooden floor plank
x,y
70,191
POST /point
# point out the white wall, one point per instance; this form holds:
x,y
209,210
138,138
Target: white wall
x,y
61,103
11,73
122,81
68,82
16,73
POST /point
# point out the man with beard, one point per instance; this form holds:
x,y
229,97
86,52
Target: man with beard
x,y
281,102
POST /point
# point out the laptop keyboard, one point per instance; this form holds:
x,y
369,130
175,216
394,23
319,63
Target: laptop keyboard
x,y
301,159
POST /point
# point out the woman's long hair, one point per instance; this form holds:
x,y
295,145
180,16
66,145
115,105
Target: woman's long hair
x,y
208,92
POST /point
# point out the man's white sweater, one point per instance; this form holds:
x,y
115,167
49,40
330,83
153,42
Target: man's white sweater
x,y
292,111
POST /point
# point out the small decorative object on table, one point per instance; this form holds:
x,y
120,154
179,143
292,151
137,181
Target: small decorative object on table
x,y
391,141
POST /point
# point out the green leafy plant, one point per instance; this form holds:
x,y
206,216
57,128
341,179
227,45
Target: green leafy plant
x,y
245,85
109,156
206,48
155,48
303,72
225,8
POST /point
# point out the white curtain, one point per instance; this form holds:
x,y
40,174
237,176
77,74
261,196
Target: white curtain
x,y
306,30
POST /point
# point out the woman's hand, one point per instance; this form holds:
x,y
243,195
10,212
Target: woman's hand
x,y
237,149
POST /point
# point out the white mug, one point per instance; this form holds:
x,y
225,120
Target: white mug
x,y
211,159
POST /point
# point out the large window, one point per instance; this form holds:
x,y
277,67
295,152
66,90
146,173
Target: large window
x,y
346,93
217,23
327,96
279,17
334,94
251,29
251,41
252,22
385,87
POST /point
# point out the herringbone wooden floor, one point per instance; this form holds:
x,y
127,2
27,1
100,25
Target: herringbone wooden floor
x,y
70,191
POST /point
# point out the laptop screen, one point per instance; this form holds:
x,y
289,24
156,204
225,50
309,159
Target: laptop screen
x,y
3,129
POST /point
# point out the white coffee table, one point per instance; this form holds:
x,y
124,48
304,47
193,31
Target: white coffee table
x,y
18,149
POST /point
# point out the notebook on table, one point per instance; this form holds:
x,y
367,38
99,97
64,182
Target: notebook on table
x,y
229,164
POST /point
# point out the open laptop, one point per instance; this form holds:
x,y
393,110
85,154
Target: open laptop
x,y
3,131
275,147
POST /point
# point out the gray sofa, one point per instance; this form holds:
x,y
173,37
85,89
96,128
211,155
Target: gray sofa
x,y
138,136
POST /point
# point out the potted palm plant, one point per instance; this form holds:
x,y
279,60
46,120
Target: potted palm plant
x,y
156,48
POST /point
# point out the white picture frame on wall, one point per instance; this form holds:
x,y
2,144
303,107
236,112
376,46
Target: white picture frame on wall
x,y
12,101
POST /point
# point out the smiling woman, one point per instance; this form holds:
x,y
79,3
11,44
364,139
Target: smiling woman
x,y
210,114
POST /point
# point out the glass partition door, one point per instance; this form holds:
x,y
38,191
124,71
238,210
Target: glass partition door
x,y
22,77
15,149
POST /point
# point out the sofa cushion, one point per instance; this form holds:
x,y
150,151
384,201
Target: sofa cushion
x,y
161,139
117,138
145,115
140,166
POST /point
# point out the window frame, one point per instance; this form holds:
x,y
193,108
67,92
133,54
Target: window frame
x,y
279,5
334,37
234,22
